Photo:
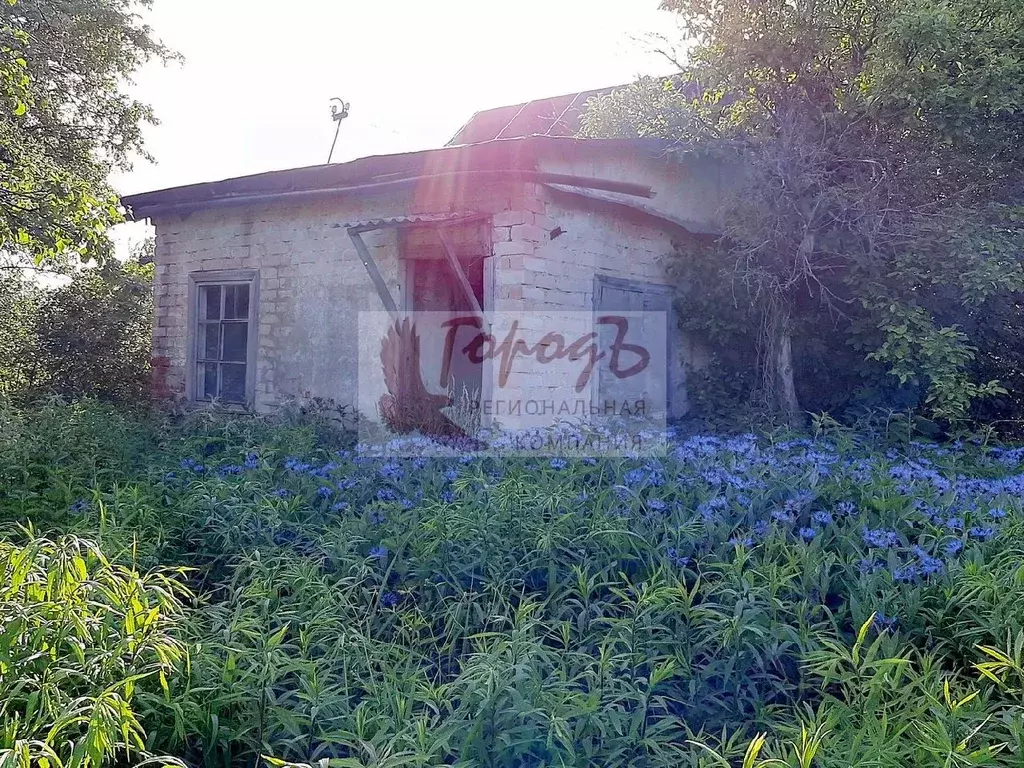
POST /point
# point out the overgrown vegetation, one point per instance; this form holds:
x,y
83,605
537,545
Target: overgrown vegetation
x,y
89,335
874,218
853,598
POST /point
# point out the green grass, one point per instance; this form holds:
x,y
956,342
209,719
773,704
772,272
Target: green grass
x,y
858,605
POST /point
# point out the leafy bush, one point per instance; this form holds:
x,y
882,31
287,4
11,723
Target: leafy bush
x,y
81,639
855,602
88,337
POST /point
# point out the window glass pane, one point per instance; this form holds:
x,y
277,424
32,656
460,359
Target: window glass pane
x,y
236,337
206,381
233,383
236,302
209,302
209,341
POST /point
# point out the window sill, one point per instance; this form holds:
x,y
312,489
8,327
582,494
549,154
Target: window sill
x,y
206,405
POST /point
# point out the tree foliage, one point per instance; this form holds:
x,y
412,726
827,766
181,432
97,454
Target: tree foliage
x,y
90,336
882,146
66,120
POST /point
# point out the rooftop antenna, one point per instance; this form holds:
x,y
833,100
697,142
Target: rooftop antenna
x,y
339,112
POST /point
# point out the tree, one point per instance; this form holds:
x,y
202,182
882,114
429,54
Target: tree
x,y
66,122
881,149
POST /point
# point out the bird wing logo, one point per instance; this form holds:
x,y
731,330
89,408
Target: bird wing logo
x,y
408,406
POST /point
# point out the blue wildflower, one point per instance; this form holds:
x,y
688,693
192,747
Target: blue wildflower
x,y
883,623
389,600
340,506
747,542
761,528
906,573
821,517
955,523
229,469
782,516
558,464
447,496
997,514
252,461
807,534
954,547
982,533
846,508
676,559
79,507
377,517
169,477
634,477
880,537
378,553
657,505
386,494
282,493
324,492
391,471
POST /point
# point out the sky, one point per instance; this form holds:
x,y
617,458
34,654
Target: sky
x,y
253,91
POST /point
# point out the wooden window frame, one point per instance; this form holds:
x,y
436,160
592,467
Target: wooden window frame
x,y
223,277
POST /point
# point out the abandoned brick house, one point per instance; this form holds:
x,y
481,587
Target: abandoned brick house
x,y
259,279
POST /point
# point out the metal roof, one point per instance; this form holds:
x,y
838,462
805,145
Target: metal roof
x,y
430,168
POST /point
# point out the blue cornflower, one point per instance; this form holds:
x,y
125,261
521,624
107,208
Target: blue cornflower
x,y
883,623
447,496
282,493
378,553
807,534
386,494
821,517
377,517
389,600
229,469
252,461
869,565
930,565
997,514
982,533
657,505
880,537
675,558
761,528
451,473
324,492
169,477
747,542
292,464
907,573
590,461
954,547
558,464
79,507
391,470
340,506
955,523
845,508
634,477
782,516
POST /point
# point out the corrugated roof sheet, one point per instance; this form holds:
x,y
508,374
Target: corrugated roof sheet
x,y
411,220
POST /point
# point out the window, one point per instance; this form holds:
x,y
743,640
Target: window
x,y
223,328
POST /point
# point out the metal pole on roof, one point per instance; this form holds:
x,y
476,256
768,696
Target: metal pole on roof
x,y
339,112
